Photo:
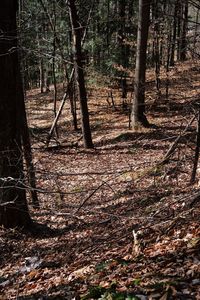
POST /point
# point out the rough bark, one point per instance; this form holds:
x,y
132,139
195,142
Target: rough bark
x,y
13,205
183,50
78,63
196,156
173,46
123,53
138,108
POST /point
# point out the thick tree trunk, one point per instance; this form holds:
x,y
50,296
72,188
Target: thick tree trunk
x,y
24,132
20,82
138,108
13,205
78,63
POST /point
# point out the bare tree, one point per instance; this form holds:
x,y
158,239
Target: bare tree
x,y
138,107
78,64
13,204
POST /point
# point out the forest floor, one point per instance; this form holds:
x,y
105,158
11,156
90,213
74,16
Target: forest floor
x,y
115,223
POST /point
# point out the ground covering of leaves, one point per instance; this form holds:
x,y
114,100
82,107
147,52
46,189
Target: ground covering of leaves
x,y
113,223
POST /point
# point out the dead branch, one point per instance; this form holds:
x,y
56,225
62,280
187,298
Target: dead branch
x,y
174,145
86,199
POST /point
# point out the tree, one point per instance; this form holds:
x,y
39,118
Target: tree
x,y
183,44
124,53
138,107
172,54
78,64
13,204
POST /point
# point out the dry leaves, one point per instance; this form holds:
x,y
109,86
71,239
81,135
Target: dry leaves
x,y
93,201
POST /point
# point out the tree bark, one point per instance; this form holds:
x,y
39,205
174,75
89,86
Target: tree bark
x,y
196,156
138,107
42,81
173,44
123,53
78,63
183,50
13,204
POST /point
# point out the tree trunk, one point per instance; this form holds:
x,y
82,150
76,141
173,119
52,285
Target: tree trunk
x,y
78,63
179,22
196,156
156,48
42,81
54,63
123,53
20,82
196,32
73,98
172,54
183,49
13,205
138,107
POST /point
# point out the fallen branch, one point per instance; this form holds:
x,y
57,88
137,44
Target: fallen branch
x,y
196,157
86,199
173,146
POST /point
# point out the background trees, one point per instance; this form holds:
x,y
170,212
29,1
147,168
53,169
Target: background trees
x,y
99,40
111,34
108,206
110,44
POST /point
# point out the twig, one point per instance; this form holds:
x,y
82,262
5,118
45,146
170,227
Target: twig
x,y
86,199
196,157
173,146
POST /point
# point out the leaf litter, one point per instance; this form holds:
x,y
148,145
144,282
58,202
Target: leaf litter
x,y
114,223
